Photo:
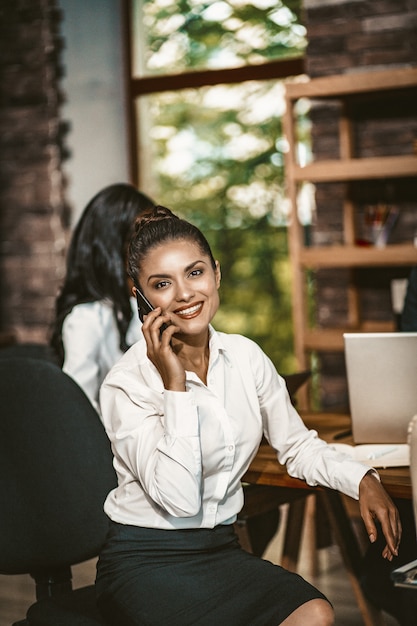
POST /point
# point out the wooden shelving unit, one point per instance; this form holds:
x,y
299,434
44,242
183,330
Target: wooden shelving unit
x,y
356,169
357,256
361,87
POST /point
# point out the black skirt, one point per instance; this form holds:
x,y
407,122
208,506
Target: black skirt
x,y
201,577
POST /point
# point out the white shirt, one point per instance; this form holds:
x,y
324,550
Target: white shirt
x,y
91,343
180,456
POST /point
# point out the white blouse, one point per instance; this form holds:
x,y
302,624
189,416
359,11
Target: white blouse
x,y
180,456
91,343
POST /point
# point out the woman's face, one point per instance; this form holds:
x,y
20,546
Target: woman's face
x,y
180,279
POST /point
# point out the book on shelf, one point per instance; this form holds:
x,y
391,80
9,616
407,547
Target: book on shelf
x,y
377,454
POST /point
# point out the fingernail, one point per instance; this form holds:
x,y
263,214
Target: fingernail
x,y
372,538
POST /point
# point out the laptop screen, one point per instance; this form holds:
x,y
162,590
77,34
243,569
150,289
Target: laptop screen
x,y
382,385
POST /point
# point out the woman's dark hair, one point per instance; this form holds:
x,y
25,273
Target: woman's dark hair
x,y
96,260
156,226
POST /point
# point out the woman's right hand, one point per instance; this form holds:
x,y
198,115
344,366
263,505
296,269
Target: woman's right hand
x,y
375,504
160,352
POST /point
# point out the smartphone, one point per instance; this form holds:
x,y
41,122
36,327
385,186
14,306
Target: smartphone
x,y
145,307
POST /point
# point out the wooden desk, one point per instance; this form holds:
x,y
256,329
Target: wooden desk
x,y
265,470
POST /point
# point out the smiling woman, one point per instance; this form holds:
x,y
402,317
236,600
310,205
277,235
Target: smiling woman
x,y
183,282
185,411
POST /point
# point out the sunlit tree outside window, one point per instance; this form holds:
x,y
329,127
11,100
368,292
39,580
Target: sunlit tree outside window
x,y
189,34
215,154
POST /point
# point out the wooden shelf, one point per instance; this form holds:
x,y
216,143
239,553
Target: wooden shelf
x,y
353,84
358,256
331,339
359,94
357,169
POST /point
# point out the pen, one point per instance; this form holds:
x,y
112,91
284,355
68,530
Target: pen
x,y
342,434
383,452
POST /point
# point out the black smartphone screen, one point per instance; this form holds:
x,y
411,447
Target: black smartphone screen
x,y
145,307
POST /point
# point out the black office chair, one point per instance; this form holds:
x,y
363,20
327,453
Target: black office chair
x,y
55,472
29,349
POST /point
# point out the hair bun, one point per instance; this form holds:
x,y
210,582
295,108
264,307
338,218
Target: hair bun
x,y
152,215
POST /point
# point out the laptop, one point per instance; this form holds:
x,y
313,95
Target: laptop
x,y
382,385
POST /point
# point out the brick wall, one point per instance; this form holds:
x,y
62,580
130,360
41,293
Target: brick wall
x,y
32,211
349,34
354,36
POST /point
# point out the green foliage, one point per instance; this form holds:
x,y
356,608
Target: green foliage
x,y
255,298
191,34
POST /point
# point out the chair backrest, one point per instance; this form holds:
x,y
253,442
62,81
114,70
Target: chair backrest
x,y
295,381
31,350
412,439
55,469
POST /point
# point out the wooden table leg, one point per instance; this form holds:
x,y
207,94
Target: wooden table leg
x,y
293,532
351,555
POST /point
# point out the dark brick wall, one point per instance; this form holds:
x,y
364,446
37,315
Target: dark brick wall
x,y
354,36
345,35
32,211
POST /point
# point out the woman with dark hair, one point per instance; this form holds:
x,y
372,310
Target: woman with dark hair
x,y
185,411
94,321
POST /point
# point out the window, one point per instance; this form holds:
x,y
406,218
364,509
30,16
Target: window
x,y
205,89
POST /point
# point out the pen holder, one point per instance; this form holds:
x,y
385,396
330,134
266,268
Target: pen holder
x,y
379,222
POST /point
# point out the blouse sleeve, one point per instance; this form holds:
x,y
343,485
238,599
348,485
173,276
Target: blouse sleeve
x,y
305,455
82,336
155,440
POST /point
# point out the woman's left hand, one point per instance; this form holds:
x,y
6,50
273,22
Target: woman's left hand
x,y
375,504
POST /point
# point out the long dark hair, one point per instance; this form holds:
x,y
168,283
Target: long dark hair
x,y
157,226
96,259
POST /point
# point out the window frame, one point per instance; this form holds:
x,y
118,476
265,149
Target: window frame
x,y
147,85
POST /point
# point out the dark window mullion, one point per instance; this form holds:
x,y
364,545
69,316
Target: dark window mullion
x,y
175,82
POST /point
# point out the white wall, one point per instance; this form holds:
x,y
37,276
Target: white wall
x,y
94,91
